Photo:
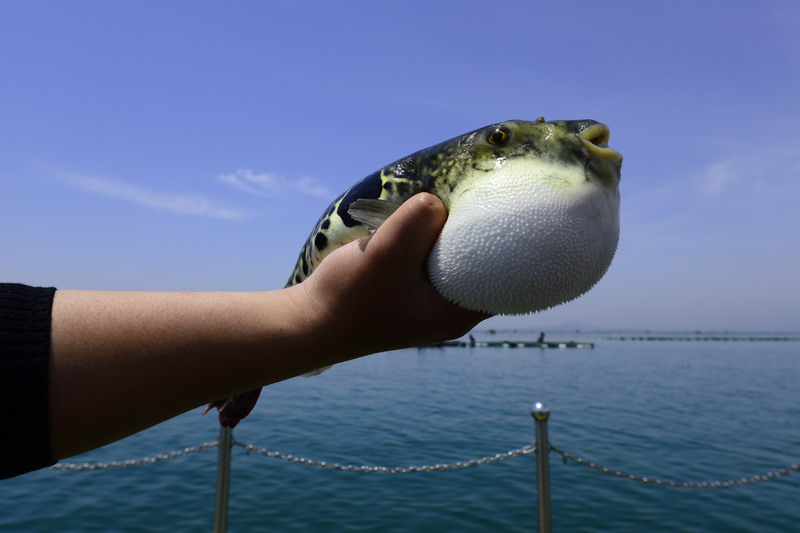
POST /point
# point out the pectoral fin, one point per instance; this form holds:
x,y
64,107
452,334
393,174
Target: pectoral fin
x,y
372,212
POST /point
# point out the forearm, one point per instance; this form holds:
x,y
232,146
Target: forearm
x,y
123,361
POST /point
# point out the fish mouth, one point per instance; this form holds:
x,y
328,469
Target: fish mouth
x,y
606,162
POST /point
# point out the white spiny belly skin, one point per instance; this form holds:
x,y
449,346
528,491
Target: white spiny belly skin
x,y
525,238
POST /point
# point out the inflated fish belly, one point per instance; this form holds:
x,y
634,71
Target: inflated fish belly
x,y
527,238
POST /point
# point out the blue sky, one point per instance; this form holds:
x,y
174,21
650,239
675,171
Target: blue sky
x,y
192,145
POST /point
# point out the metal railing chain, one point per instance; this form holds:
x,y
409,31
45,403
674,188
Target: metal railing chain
x,y
135,462
389,469
439,467
680,484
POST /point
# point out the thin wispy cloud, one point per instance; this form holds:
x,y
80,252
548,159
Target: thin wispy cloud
x,y
186,204
718,177
269,185
767,170
311,187
757,184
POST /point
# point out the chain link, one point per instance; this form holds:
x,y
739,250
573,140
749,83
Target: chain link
x,y
681,484
389,469
135,462
525,450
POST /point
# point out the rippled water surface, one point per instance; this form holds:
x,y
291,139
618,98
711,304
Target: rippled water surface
x,y
685,411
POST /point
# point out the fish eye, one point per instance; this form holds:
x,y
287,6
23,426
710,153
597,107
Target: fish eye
x,y
499,136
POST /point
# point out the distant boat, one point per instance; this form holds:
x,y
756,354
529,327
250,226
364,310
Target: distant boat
x,y
740,338
511,344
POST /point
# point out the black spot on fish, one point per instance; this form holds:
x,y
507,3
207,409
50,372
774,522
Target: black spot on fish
x,y
369,187
297,278
387,186
325,223
402,188
321,241
304,265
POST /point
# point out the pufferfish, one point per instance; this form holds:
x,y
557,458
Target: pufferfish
x,y
533,218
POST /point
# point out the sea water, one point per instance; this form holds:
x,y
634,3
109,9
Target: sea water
x,y
673,410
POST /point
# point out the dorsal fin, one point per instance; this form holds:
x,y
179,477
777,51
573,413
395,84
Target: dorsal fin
x,y
372,212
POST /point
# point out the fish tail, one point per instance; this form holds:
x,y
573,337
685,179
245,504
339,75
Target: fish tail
x,y
232,410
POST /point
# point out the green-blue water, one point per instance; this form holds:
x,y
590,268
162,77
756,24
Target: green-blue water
x,y
685,411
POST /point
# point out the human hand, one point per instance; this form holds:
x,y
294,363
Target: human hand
x,y
374,294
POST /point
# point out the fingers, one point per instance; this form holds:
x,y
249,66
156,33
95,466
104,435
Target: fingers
x,y
361,291
406,239
415,226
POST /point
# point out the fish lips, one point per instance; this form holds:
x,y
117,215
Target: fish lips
x,y
602,161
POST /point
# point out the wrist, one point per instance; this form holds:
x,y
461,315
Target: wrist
x,y
312,328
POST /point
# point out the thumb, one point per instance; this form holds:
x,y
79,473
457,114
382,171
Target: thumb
x,y
409,234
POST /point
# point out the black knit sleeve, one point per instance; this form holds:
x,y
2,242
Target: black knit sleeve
x,y
25,320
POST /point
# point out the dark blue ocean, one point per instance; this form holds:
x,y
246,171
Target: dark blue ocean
x,y
675,410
